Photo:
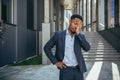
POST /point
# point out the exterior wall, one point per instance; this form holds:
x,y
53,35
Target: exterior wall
x,y
19,40
8,48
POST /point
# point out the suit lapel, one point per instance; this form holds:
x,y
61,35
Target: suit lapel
x,y
75,43
63,40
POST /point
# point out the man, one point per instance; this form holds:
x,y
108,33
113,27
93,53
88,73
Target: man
x,y
68,57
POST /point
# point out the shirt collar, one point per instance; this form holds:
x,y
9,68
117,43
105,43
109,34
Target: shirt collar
x,y
67,33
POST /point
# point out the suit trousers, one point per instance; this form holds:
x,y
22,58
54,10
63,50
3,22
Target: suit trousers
x,y
71,74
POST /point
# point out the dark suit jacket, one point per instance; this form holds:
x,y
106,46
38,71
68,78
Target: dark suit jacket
x,y
58,40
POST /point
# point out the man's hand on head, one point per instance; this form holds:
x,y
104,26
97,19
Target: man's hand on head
x,y
78,28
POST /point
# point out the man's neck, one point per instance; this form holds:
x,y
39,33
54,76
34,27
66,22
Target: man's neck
x,y
71,34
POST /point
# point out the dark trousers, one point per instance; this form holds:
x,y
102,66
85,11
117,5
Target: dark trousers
x,y
70,74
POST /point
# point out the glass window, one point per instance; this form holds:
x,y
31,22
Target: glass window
x,y
30,14
7,9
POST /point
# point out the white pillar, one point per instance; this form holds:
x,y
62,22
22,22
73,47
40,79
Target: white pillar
x,y
52,16
92,15
87,15
98,9
45,30
107,14
78,7
81,7
83,14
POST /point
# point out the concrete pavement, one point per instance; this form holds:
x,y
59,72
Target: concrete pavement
x,y
96,71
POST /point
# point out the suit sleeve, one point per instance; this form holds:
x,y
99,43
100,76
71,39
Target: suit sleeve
x,y
83,42
48,46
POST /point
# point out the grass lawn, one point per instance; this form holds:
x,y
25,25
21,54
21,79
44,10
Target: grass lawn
x,y
32,61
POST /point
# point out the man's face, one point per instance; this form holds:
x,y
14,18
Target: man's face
x,y
74,24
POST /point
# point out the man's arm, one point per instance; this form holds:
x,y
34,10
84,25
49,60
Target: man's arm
x,y
85,45
48,46
83,42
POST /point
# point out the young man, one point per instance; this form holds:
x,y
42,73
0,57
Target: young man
x,y
68,56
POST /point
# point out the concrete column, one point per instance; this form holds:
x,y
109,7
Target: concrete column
x,y
98,14
52,16
62,18
83,14
45,30
92,14
0,10
87,15
75,9
107,14
117,13
79,6
57,7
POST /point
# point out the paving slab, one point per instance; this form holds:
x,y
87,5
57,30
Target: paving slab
x,y
96,71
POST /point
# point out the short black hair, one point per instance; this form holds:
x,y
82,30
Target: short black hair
x,y
76,16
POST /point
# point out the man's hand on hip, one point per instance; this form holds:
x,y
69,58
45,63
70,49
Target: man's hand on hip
x,y
60,65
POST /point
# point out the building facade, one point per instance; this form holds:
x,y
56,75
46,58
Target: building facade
x,y
28,24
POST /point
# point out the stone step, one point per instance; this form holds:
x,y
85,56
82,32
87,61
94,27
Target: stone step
x,y
102,59
97,41
102,48
93,47
101,53
93,51
95,60
101,56
95,38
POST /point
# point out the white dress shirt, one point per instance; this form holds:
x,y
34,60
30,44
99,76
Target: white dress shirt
x,y
69,54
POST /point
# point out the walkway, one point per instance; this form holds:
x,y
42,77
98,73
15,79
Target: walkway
x,y
103,63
